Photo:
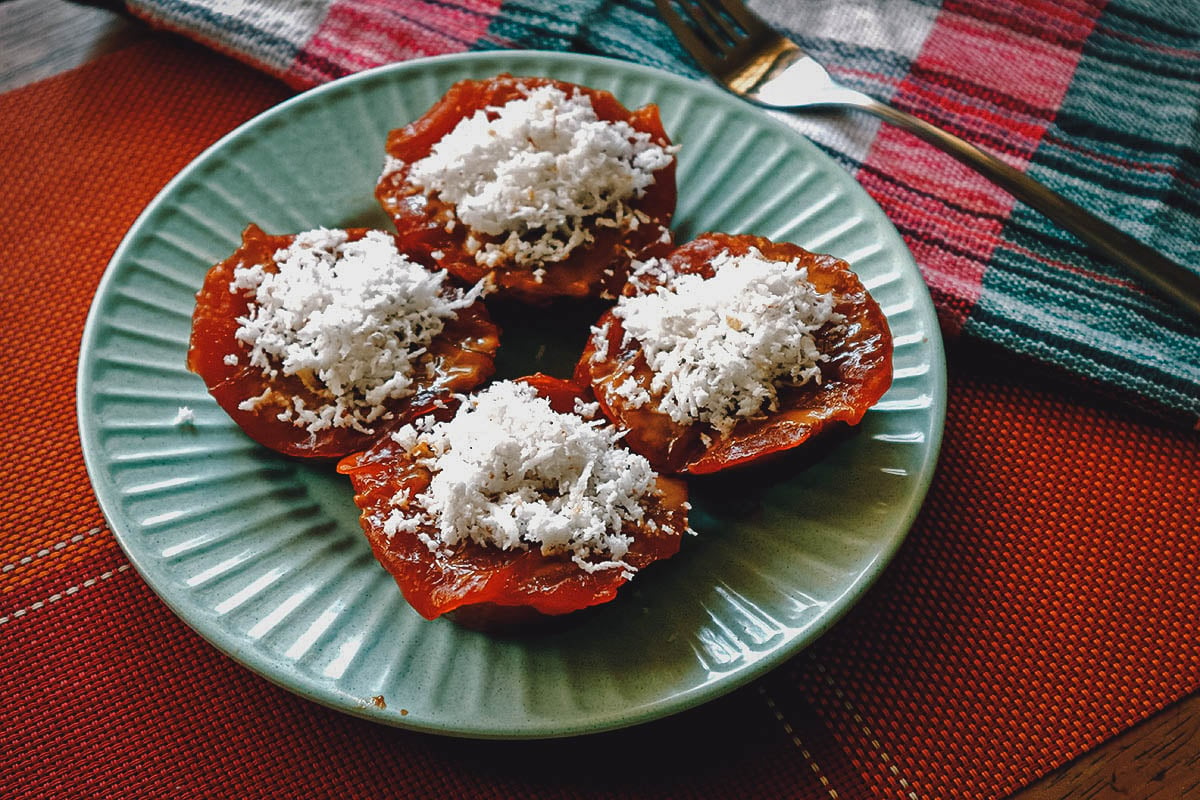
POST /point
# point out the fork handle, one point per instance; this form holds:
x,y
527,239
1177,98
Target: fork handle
x,y
1172,280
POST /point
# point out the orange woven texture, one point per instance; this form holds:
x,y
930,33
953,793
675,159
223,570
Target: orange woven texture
x,y
1047,598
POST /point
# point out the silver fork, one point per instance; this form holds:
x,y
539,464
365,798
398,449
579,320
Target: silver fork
x,y
751,59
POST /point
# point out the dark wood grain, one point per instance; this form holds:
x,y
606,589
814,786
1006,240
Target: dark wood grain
x,y
1158,759
40,38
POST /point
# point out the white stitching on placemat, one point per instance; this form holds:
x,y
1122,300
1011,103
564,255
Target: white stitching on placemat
x,y
874,742
70,590
45,551
791,732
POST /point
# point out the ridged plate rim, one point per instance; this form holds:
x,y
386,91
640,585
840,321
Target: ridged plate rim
x,y
271,667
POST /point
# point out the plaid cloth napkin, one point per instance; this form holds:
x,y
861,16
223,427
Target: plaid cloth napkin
x,y
1099,100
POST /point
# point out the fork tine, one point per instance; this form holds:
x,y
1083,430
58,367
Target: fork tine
x,y
713,13
700,51
710,24
750,22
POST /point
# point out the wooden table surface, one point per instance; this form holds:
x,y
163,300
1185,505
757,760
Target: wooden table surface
x,y
1158,759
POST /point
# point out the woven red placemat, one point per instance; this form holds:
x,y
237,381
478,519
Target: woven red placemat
x,y
1046,599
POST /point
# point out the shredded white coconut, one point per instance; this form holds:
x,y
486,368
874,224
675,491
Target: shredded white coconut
x,y
719,349
535,170
349,318
390,164
184,416
510,472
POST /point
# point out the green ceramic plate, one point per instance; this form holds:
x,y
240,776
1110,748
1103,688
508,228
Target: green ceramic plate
x,y
263,555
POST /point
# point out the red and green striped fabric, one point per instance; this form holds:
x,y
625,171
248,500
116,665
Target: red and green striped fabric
x,y
1100,100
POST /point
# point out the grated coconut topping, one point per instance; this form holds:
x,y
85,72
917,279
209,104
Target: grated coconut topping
x,y
348,318
535,171
512,473
719,349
